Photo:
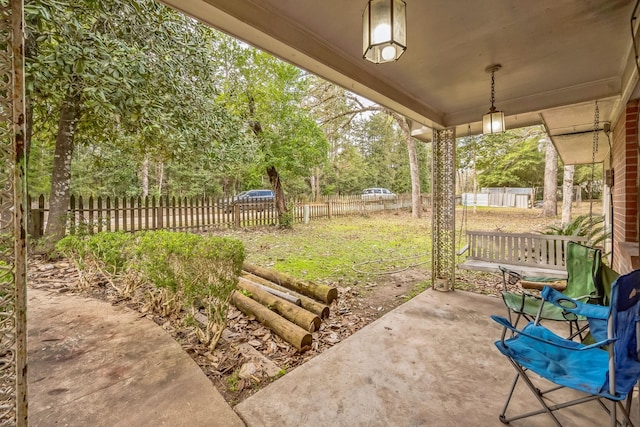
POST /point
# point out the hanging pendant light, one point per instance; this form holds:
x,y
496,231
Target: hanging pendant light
x,y
493,121
384,30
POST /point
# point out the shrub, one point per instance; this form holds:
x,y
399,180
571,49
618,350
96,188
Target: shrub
x,y
188,271
287,217
591,227
110,249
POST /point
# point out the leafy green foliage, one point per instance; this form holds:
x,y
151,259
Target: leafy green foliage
x,y
512,159
145,82
112,249
588,226
197,270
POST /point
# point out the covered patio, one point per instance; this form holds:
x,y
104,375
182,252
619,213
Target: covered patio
x,y
432,361
429,362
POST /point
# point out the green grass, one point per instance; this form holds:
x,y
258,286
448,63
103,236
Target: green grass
x,y
328,250
353,250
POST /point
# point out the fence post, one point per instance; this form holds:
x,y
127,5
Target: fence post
x,y
146,213
90,220
124,213
41,215
329,209
32,223
108,215
36,224
100,214
81,215
72,214
138,207
305,213
116,212
156,212
236,215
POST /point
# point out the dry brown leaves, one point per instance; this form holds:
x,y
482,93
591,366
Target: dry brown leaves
x,y
234,370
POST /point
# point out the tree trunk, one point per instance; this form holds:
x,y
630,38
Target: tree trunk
x,y
567,194
61,176
315,184
144,176
274,179
550,203
160,173
414,169
416,206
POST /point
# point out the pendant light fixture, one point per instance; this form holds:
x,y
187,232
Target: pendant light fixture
x,y
493,121
384,30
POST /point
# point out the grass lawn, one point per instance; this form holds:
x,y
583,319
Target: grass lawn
x,y
365,251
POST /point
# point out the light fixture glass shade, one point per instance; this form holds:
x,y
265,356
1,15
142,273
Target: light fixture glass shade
x,y
384,30
493,122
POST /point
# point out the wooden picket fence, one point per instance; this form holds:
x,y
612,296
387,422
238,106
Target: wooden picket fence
x,y
94,214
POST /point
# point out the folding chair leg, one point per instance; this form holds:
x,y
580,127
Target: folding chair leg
x,y
534,390
626,412
506,403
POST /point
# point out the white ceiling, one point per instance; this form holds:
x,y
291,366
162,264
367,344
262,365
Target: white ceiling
x,y
557,57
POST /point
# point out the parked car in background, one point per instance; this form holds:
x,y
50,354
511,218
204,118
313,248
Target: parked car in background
x,y
377,194
259,200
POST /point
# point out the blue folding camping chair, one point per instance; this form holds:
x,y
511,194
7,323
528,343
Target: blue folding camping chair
x,y
604,371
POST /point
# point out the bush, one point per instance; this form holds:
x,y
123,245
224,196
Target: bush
x,y
287,217
110,249
196,271
591,227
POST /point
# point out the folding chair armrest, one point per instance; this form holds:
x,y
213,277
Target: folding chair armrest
x,y
571,345
575,306
509,277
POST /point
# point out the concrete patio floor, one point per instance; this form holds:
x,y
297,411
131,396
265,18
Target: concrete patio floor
x,y
94,364
430,362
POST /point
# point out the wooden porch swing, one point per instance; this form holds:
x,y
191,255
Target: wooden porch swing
x,y
529,254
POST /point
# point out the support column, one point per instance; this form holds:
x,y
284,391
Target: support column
x,y
443,268
13,327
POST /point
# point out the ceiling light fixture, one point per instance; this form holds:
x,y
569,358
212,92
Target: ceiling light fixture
x,y
493,121
384,30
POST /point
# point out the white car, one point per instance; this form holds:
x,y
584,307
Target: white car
x,y
377,194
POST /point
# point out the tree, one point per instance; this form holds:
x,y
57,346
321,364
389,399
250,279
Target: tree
x,y
375,135
134,75
567,193
269,94
550,203
510,159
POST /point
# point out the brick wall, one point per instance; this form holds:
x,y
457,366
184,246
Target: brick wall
x,y
625,189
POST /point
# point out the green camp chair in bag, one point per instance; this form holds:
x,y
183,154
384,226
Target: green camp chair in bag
x,y
605,371
584,283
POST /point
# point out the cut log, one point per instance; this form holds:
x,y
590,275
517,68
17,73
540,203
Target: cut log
x,y
280,294
298,315
291,333
323,293
306,302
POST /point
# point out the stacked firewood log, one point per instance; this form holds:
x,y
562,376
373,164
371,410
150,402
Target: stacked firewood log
x,y
291,308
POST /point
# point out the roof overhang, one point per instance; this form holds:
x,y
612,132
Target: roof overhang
x,y
557,58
